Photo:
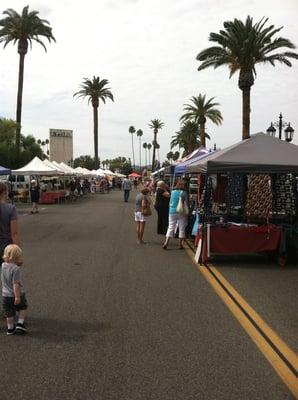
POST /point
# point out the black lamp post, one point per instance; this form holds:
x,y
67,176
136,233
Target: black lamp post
x,y
289,131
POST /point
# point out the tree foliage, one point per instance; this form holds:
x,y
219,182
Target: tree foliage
x,y
85,162
186,138
9,156
23,29
241,46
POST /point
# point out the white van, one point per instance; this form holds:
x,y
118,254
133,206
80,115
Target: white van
x,y
16,182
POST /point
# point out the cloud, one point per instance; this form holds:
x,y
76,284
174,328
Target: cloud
x,y
147,50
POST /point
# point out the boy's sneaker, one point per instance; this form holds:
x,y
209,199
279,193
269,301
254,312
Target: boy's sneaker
x,y
11,331
20,329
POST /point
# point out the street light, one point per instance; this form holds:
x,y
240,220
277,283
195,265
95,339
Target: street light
x,y
289,131
271,130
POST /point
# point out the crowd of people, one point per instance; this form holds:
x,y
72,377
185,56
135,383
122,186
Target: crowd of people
x,y
171,208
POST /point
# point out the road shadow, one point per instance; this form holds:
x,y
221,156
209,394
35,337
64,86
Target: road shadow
x,y
249,261
62,331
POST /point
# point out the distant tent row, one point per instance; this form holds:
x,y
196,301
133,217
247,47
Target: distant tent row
x,y
48,168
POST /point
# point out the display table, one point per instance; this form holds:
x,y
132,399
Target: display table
x,y
233,239
51,197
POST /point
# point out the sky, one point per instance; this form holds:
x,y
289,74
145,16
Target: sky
x,y
147,50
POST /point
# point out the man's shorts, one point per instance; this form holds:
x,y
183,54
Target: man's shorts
x,y
10,309
139,217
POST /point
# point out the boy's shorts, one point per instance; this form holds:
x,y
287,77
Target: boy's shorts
x,y
10,309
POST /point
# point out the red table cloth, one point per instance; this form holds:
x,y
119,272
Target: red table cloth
x,y
242,239
51,197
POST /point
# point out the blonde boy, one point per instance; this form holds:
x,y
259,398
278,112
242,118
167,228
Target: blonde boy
x,y
13,293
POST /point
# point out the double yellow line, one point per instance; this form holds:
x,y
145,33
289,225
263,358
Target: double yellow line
x,y
280,356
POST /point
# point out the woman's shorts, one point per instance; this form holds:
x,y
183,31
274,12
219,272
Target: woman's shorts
x,y
10,309
139,217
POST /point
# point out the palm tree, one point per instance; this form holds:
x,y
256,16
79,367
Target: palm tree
x,y
140,134
241,46
95,90
23,29
149,145
176,155
187,138
199,111
132,131
155,124
145,148
170,156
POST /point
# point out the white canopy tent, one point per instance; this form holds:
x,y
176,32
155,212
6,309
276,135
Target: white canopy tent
x,y
68,169
36,167
119,175
108,172
50,164
58,166
158,171
100,172
83,171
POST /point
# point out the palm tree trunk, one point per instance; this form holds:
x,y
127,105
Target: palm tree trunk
x,y
140,144
245,113
146,157
95,131
153,152
133,152
245,82
19,100
202,135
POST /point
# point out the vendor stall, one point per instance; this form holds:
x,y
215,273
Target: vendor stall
x,y
39,168
247,197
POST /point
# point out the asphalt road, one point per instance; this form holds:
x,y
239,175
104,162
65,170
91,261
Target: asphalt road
x,y
110,319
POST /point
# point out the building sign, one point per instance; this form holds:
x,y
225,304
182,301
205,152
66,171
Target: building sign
x,y
60,133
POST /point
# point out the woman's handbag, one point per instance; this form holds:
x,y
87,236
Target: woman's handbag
x,y
146,210
182,208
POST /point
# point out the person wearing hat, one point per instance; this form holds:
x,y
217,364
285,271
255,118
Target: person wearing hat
x,y
34,194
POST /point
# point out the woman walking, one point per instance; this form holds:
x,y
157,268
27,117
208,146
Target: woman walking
x,y
142,211
175,217
162,200
34,193
9,231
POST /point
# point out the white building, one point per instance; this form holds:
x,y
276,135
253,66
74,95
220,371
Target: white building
x,y
61,145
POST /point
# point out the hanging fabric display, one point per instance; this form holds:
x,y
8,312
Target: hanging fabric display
x,y
235,191
259,197
206,198
219,193
283,201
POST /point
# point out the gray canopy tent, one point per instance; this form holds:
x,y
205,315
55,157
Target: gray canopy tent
x,y
260,153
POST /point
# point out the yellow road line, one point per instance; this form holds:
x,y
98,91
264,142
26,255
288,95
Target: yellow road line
x,y
286,374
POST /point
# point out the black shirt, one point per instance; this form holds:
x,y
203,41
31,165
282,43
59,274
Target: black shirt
x,y
160,200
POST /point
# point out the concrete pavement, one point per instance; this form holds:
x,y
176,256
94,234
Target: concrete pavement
x,y
113,320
